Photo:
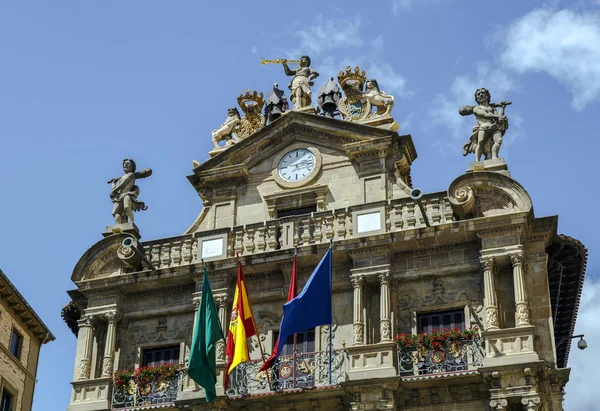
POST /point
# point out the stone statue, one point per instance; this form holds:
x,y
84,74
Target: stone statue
x,y
361,96
124,192
328,97
491,126
383,102
227,130
276,104
301,83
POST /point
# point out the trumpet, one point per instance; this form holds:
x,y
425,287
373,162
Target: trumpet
x,y
278,61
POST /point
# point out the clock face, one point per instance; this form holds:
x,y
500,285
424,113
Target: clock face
x,y
296,165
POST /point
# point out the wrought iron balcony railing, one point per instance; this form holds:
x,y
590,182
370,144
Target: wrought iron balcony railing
x,y
158,393
305,370
454,357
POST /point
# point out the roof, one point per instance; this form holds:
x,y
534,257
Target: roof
x,y
567,260
23,310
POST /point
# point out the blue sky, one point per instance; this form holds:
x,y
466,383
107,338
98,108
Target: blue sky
x,y
85,84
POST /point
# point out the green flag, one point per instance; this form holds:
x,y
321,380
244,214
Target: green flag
x,y
203,362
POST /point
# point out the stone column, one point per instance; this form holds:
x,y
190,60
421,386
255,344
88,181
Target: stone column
x,y
385,327
531,403
86,333
521,308
357,283
491,305
499,405
112,319
222,303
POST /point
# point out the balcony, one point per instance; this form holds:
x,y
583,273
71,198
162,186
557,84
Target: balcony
x,y
146,387
288,232
300,371
439,352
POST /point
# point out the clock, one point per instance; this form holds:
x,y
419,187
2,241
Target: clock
x,y
296,165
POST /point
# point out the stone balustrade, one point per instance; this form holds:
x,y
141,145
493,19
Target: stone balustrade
x,y
301,230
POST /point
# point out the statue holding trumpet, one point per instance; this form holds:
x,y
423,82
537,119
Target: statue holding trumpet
x,y
300,85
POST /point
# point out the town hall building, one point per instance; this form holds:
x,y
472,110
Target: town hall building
x,y
456,300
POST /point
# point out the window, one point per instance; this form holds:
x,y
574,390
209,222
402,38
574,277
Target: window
x,y
16,341
6,402
163,355
297,211
434,321
305,342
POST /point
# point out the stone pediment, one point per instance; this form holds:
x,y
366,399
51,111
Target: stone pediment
x,y
100,260
232,165
487,194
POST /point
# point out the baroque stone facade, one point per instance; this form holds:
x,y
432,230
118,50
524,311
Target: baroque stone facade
x,y
403,262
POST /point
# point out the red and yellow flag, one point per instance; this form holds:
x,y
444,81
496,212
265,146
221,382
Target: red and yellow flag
x,y
241,326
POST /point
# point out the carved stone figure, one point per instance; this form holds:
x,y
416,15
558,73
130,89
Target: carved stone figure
x,y
490,128
227,130
124,192
329,95
276,104
301,94
252,105
379,99
357,105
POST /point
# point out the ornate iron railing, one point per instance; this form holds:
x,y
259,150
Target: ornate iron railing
x,y
155,393
304,370
462,356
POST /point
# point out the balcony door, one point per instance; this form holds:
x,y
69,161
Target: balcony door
x,y
159,356
427,322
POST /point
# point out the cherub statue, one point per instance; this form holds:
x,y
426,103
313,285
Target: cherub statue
x,y
384,102
124,192
490,128
226,131
300,85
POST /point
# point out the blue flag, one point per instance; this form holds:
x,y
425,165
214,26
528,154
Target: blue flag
x,y
312,306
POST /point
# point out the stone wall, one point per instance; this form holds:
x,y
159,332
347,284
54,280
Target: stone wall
x,y
13,374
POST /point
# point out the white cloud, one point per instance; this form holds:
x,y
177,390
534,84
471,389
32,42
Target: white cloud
x,y
562,43
444,110
582,385
323,37
253,50
399,6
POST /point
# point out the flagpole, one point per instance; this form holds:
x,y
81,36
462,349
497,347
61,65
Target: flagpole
x,y
295,349
262,353
331,318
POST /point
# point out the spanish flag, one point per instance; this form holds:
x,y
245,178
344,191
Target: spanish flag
x,y
241,326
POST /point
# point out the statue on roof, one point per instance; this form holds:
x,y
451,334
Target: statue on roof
x,y
301,94
361,97
276,104
487,134
253,120
124,192
227,132
383,103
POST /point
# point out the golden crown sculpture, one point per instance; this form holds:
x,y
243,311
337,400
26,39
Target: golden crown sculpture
x,y
355,76
255,99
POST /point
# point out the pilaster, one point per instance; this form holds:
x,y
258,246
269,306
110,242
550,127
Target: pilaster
x,y
385,326
358,282
112,318
86,331
490,300
521,306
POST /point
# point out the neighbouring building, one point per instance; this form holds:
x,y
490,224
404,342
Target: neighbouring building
x,y
22,334
455,300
